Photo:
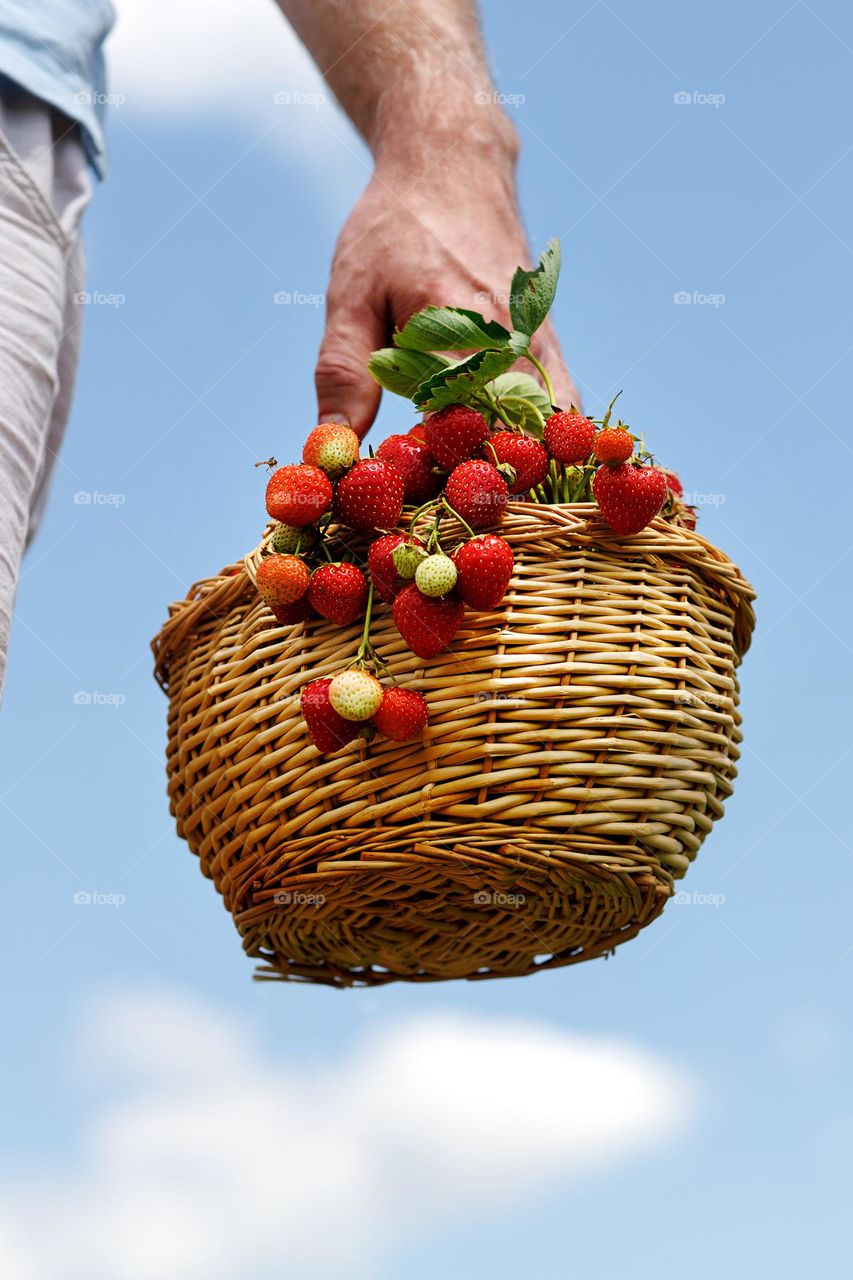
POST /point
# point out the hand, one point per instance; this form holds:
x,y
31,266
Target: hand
x,y
452,237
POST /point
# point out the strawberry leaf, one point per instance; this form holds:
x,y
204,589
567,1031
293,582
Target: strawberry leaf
x,y
463,382
450,329
403,371
532,292
517,392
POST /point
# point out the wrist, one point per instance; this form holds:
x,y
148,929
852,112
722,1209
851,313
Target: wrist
x,y
467,133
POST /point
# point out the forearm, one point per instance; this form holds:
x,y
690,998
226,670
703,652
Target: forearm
x,y
412,76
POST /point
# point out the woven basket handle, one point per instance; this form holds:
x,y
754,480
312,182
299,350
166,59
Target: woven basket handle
x,y
210,597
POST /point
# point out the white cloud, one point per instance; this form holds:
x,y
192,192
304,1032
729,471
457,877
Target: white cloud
x,y
225,61
204,1157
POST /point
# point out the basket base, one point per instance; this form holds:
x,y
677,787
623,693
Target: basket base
x,y
432,903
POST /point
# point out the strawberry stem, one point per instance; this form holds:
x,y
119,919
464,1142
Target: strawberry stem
x,y
529,407
606,419
365,649
544,372
454,512
498,411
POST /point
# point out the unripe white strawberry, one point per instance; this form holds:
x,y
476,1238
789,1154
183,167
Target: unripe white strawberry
x,y
287,537
355,695
436,575
406,559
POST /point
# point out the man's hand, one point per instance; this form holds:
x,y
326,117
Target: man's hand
x,y
438,222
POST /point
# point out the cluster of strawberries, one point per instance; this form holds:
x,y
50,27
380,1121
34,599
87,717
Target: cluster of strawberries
x,y
453,464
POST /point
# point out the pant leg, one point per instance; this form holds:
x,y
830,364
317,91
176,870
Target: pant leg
x,y
44,186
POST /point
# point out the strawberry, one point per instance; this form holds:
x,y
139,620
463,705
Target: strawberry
x,y
426,625
332,447
484,567
455,434
287,615
370,496
408,556
613,445
417,433
355,695
282,579
338,592
436,575
415,464
326,729
674,482
527,457
683,513
386,578
298,494
629,497
402,714
569,437
477,492
288,537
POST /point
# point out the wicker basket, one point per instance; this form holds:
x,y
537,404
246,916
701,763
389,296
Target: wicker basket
x,y
582,740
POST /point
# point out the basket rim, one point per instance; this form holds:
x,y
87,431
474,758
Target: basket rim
x,y
216,595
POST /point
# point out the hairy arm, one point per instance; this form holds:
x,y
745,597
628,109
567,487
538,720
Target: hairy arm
x,y
438,221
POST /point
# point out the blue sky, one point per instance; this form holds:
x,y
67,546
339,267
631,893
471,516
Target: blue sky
x,y
724,1023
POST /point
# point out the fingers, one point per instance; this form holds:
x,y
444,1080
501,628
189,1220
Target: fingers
x,y
345,390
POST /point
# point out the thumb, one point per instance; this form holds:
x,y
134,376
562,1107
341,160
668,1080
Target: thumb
x,y
345,390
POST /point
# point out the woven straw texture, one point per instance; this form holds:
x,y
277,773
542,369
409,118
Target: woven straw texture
x,y
582,740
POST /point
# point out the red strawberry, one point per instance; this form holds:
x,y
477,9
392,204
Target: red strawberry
x,y
477,492
417,433
455,434
326,729
484,566
674,482
427,624
384,575
629,497
338,592
370,496
569,437
415,464
287,615
299,494
613,445
526,456
332,447
402,714
282,579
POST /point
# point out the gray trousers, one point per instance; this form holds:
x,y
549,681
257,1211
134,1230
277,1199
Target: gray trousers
x,y
44,188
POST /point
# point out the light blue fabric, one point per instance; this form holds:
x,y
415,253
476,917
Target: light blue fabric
x,y
54,48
